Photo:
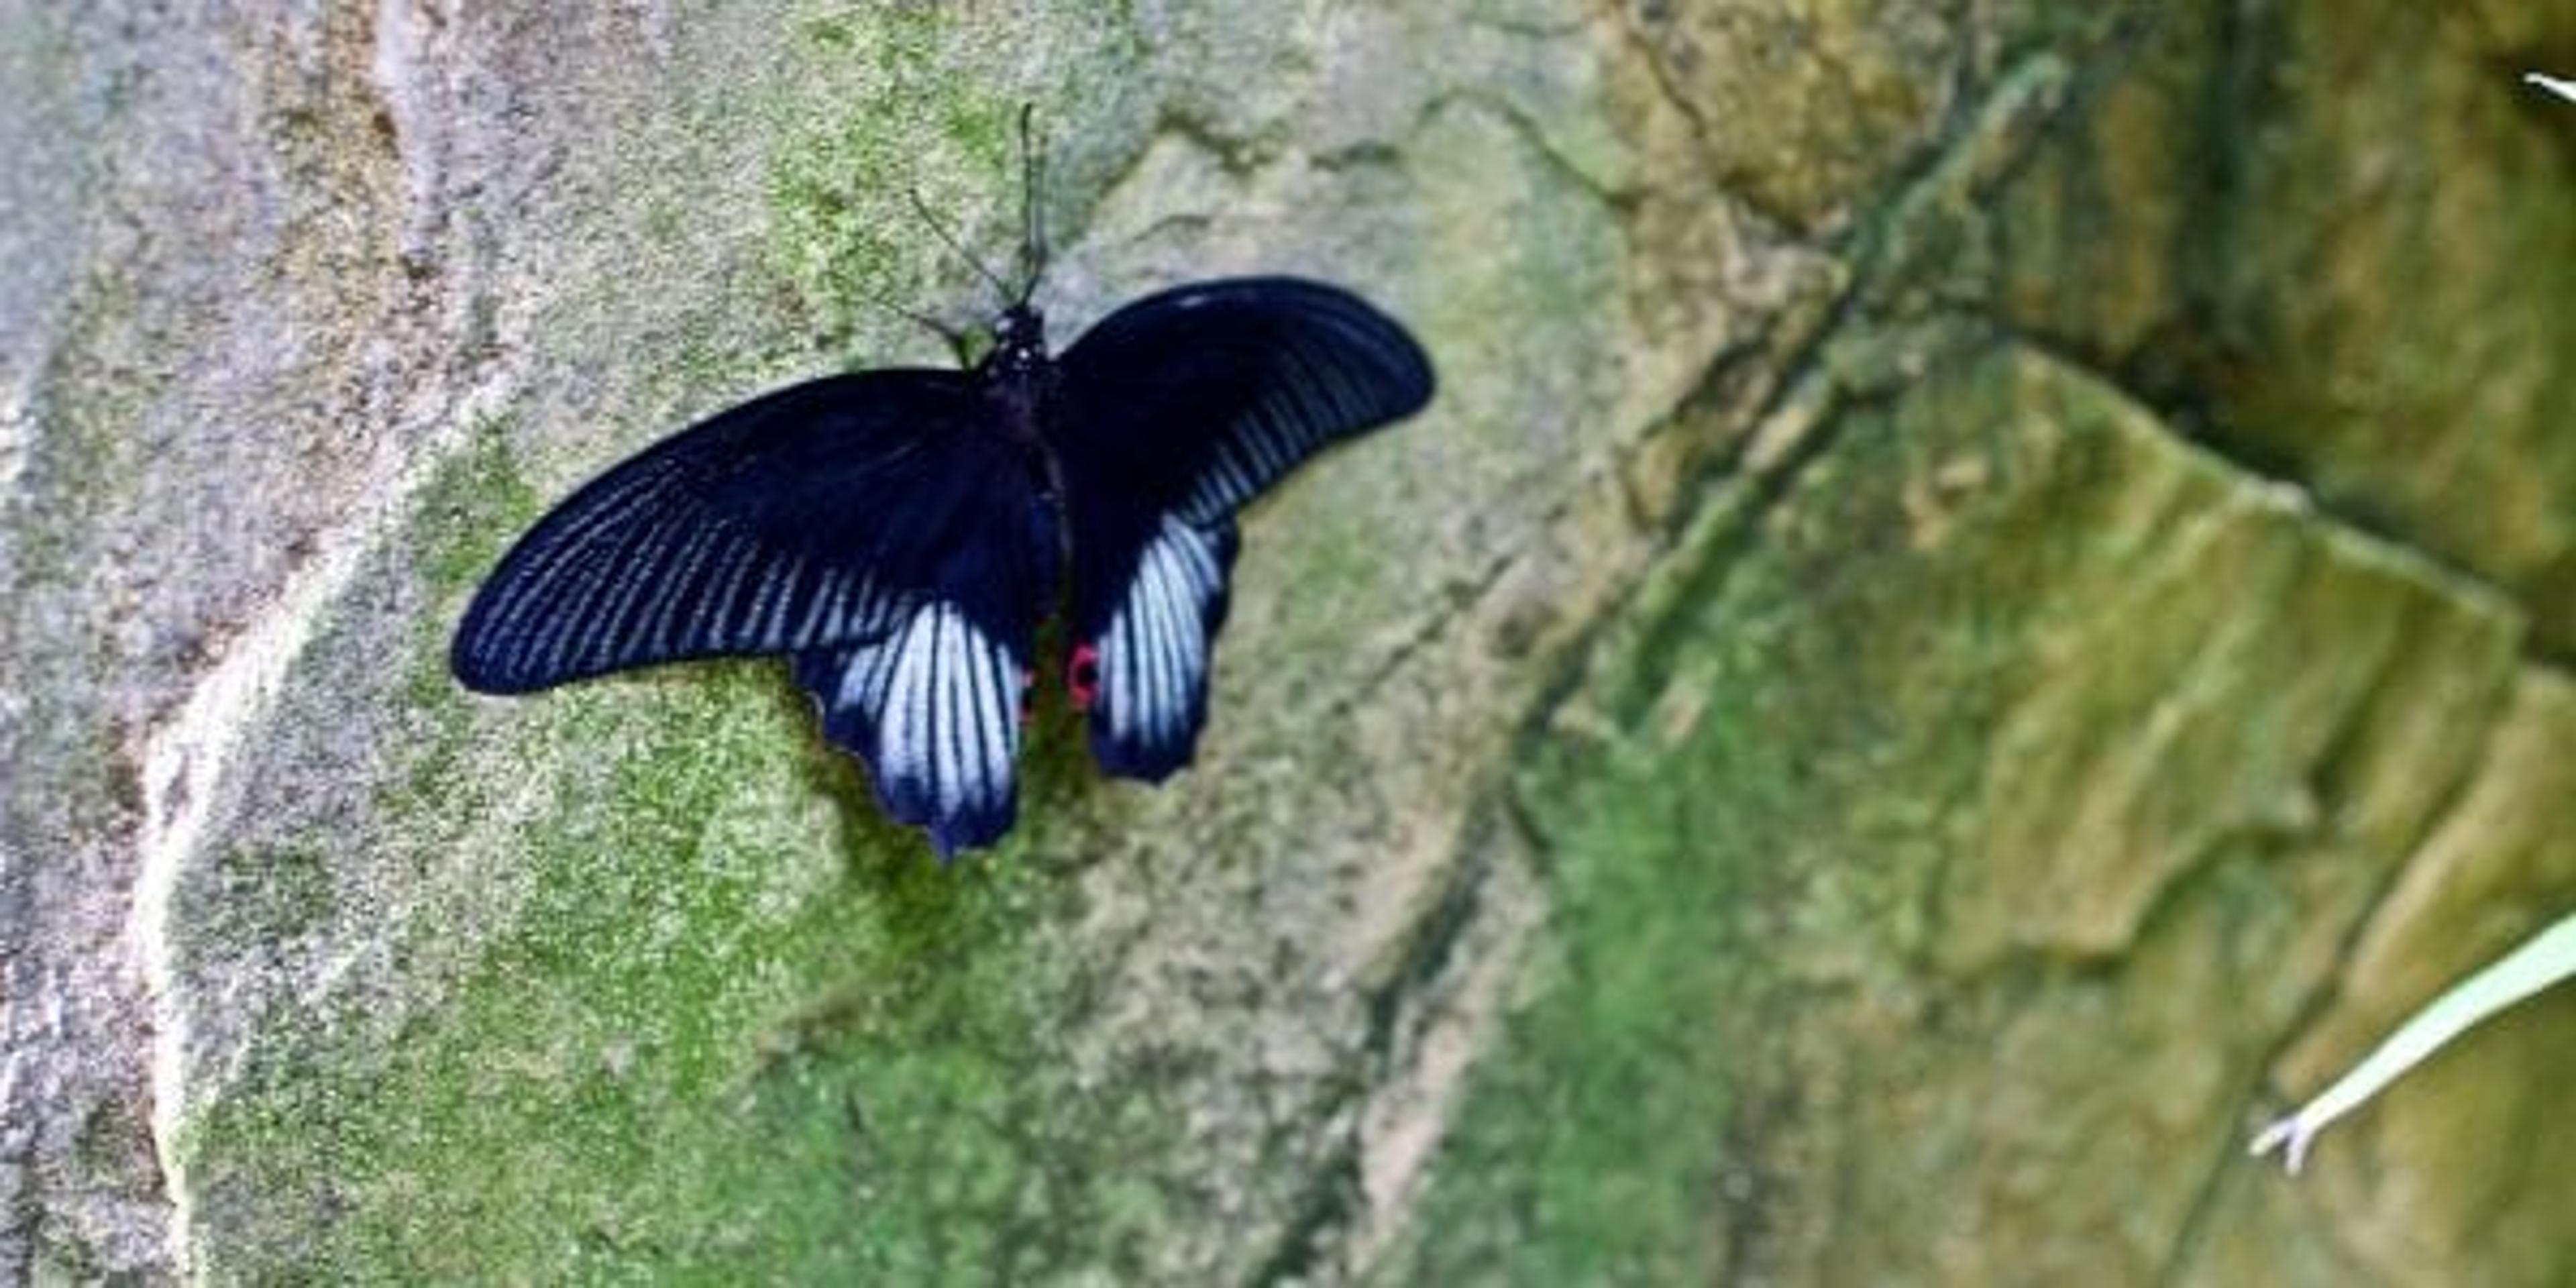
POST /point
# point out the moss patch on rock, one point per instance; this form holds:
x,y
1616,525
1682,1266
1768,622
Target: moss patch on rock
x,y
627,978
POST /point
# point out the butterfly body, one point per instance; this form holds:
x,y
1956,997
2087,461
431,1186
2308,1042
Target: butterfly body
x,y
1018,375
901,534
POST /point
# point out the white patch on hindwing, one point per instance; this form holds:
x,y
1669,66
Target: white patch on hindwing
x,y
1153,663
945,715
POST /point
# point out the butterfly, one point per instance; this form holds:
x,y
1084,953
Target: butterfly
x,y
901,534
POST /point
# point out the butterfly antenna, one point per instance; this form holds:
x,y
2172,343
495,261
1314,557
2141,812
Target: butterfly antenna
x,y
1033,242
957,339
922,208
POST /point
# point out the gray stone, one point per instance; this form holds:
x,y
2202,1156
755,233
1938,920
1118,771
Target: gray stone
x,y
1893,706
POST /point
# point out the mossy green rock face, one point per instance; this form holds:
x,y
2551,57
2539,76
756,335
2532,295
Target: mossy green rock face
x,y
1898,858
2364,288
1891,709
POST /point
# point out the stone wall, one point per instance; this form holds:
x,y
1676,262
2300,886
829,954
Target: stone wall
x,y
1986,601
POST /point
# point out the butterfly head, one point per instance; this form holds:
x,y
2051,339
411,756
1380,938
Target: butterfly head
x,y
1019,341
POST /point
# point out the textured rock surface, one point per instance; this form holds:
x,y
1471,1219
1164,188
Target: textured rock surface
x,y
2363,288
1985,600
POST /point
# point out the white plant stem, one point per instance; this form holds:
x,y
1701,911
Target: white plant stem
x,y
2543,960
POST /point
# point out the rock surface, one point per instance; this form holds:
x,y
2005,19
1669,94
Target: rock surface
x,y
1986,600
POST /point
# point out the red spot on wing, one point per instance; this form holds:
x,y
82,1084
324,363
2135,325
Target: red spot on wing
x,y
1082,676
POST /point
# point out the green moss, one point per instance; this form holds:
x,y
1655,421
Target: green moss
x,y
469,511
1774,721
628,1073
1764,726
843,226
462,521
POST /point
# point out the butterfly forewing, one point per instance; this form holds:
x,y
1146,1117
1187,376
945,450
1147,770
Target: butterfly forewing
x,y
804,519
1175,411
1197,398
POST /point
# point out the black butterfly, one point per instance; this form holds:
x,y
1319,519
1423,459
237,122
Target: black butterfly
x,y
900,534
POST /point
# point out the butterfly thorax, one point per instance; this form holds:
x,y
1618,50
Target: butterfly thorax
x,y
1018,377
1019,345
1017,372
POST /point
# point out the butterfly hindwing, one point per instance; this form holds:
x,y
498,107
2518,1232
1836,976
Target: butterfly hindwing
x,y
1151,645
1176,411
933,708
933,705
